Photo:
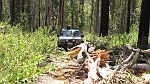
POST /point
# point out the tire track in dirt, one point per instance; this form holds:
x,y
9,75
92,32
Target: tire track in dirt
x,y
67,73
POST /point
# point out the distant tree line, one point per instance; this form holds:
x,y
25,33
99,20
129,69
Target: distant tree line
x,y
101,17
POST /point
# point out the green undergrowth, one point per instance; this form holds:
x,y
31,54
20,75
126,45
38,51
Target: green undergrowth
x,y
111,41
22,52
25,55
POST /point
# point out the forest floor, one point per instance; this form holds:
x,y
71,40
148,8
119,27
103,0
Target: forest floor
x,y
67,72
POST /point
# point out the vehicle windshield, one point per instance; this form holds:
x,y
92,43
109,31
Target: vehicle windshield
x,y
67,33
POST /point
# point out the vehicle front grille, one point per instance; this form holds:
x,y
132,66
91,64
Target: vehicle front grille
x,y
70,40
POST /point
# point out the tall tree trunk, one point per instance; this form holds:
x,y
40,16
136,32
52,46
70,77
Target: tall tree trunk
x,y
22,11
72,13
91,17
133,13
113,13
128,17
12,12
35,15
96,24
104,24
144,25
123,19
61,14
82,16
48,5
112,8
1,8
22,6
76,14
18,11
28,12
54,14
39,13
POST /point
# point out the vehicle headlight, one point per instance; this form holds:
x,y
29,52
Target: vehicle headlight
x,y
67,40
61,40
73,40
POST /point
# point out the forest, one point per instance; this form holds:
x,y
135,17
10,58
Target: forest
x,y
116,29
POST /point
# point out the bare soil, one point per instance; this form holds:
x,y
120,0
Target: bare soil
x,y
67,72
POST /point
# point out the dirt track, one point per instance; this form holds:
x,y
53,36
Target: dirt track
x,y
67,72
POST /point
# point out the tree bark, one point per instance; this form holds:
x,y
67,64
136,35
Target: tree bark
x,y
91,17
1,9
61,14
39,14
35,15
72,13
123,17
82,16
22,6
104,24
28,11
144,25
60,11
128,17
133,13
22,12
112,9
18,11
113,15
96,24
12,12
136,67
48,5
54,14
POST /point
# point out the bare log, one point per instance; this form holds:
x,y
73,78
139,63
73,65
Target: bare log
x,y
145,67
129,58
133,49
132,59
129,61
146,51
135,58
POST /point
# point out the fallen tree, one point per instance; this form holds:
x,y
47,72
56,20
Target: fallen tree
x,y
96,65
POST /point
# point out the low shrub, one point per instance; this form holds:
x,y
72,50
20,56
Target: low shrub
x,y
21,52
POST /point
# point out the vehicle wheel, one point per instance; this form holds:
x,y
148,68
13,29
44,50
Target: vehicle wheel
x,y
58,45
82,41
65,48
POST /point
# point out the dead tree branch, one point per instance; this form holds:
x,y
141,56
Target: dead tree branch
x,y
129,47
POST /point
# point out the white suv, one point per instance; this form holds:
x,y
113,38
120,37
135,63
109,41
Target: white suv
x,y
69,38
